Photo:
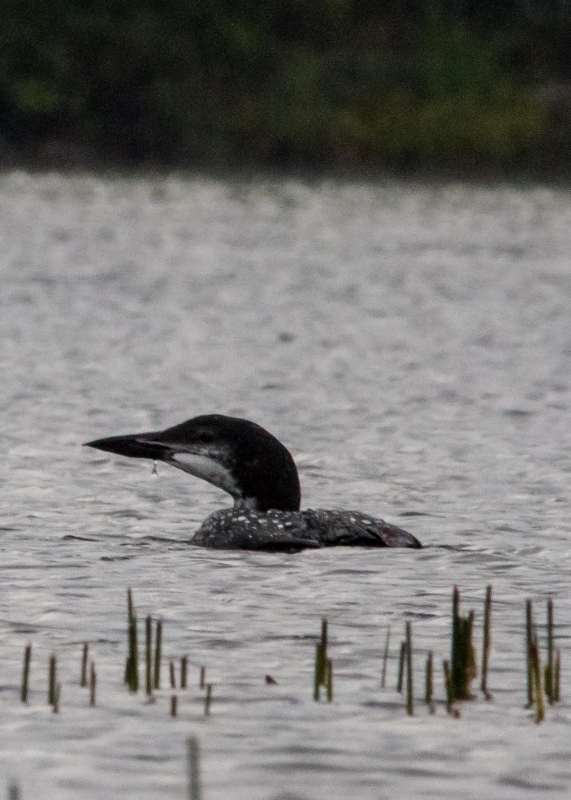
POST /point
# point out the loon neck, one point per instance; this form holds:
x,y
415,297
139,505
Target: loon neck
x,y
246,504
265,474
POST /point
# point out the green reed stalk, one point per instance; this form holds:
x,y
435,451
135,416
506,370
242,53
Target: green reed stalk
x,y
183,671
174,705
132,660
193,762
529,635
321,663
385,658
448,685
202,679
57,695
84,656
52,680
536,675
148,655
92,685
402,656
487,643
130,606
462,658
132,666
558,675
455,632
409,687
321,658
26,673
329,680
550,666
172,676
158,653
208,700
318,670
429,681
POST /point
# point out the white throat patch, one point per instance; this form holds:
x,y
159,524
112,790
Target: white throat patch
x,y
206,468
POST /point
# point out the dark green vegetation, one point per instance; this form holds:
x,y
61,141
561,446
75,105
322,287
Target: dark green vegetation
x,y
551,673
193,762
324,84
463,656
132,662
459,671
323,672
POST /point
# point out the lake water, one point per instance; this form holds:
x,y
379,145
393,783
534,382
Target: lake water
x,y
411,345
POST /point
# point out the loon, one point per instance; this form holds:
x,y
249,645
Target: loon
x,y
258,471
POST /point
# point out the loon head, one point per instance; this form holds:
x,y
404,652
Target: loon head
x,y
231,453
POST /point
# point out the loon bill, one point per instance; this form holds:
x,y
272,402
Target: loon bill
x,y
259,472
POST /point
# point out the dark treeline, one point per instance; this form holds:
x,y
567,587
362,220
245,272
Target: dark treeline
x,y
285,83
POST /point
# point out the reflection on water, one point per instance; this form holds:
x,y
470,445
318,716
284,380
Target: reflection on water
x,y
411,346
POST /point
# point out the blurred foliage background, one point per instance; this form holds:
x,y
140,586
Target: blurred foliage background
x,y
321,84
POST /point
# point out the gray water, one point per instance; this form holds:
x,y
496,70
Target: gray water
x,y
411,345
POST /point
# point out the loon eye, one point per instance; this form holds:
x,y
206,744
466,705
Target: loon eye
x,y
205,437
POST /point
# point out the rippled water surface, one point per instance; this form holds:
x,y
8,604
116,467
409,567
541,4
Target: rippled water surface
x,y
411,344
